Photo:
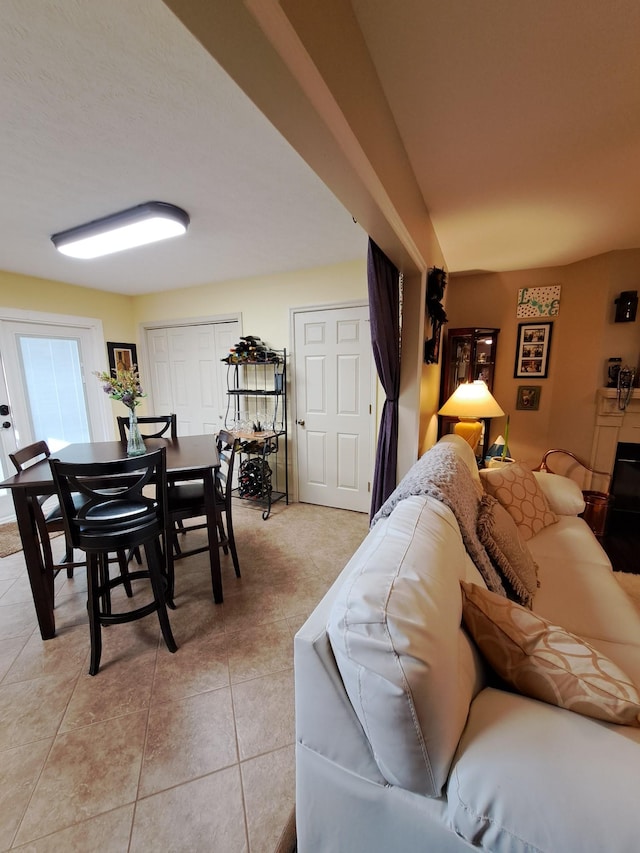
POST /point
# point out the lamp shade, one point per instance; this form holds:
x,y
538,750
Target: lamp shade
x,y
146,223
472,400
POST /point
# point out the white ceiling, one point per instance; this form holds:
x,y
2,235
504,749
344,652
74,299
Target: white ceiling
x,y
521,121
104,105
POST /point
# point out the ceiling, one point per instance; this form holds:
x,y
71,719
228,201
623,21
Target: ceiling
x,y
521,122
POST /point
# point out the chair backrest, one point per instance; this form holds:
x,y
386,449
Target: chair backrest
x,y
227,445
565,462
115,500
26,456
170,424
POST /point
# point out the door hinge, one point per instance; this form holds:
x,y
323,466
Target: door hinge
x,y
368,487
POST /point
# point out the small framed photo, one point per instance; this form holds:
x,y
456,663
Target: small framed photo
x,y
528,398
122,356
532,351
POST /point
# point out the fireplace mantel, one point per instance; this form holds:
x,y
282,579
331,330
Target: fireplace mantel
x,y
613,425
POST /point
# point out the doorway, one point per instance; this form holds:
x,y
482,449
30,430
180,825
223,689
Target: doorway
x,y
186,372
46,389
334,396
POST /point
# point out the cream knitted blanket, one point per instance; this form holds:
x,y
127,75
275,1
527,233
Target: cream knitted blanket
x,y
442,475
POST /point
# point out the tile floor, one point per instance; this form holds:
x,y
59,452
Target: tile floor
x,y
186,752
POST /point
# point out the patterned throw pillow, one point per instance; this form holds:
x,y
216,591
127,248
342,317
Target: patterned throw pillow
x,y
499,534
546,662
519,493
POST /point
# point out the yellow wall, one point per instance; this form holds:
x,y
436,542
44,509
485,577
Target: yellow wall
x,y
38,294
584,337
264,301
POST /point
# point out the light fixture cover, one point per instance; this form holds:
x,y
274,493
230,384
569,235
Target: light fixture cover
x,y
145,223
472,400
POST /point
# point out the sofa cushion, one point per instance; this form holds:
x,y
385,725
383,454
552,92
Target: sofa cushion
x,y
499,534
532,777
409,670
564,495
547,662
519,493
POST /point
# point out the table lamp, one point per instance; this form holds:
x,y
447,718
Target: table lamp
x,y
471,402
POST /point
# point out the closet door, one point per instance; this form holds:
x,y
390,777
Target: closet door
x,y
187,375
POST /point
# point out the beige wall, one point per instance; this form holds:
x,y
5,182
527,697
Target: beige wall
x,y
584,337
264,302
38,294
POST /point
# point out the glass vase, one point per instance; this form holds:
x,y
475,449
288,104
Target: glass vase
x,y
135,444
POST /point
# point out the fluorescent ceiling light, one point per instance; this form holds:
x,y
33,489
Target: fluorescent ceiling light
x,y
146,223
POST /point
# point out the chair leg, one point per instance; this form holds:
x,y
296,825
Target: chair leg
x,y
224,539
154,563
123,562
232,545
103,581
93,607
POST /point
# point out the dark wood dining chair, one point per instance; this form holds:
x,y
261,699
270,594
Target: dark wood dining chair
x,y
186,500
124,507
47,513
168,426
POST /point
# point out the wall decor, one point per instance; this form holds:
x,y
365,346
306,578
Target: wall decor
x,y
122,356
436,316
539,301
528,398
532,351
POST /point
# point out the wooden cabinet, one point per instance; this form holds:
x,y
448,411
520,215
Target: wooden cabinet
x,y
469,354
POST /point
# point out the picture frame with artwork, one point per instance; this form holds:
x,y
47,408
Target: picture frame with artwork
x,y
122,356
532,350
528,398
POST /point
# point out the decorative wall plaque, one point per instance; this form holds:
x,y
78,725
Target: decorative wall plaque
x,y
539,301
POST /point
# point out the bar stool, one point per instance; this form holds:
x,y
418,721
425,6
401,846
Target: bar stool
x,y
117,516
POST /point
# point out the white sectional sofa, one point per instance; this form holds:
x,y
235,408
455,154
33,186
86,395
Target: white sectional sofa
x,y
407,740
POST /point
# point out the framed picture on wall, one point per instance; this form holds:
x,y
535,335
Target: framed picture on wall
x,y
122,356
528,398
532,350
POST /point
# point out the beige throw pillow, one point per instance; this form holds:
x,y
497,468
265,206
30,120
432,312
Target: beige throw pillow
x,y
519,493
546,662
499,534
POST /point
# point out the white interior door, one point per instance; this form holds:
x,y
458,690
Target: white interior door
x,y
334,407
187,373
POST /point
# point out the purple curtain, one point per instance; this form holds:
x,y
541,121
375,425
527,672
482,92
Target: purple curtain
x,y
384,314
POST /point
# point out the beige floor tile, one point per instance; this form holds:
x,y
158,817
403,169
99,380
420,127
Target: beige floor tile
x,y
299,597
269,783
199,665
88,772
187,739
12,567
203,816
66,653
122,688
32,710
260,650
9,651
246,609
264,713
19,771
107,833
181,756
16,620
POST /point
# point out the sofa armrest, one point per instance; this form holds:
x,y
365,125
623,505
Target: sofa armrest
x,y
325,719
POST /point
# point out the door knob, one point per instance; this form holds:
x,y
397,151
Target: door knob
x,y
4,410
6,424
300,422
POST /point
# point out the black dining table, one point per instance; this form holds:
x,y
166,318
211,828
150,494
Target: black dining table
x,y
190,457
